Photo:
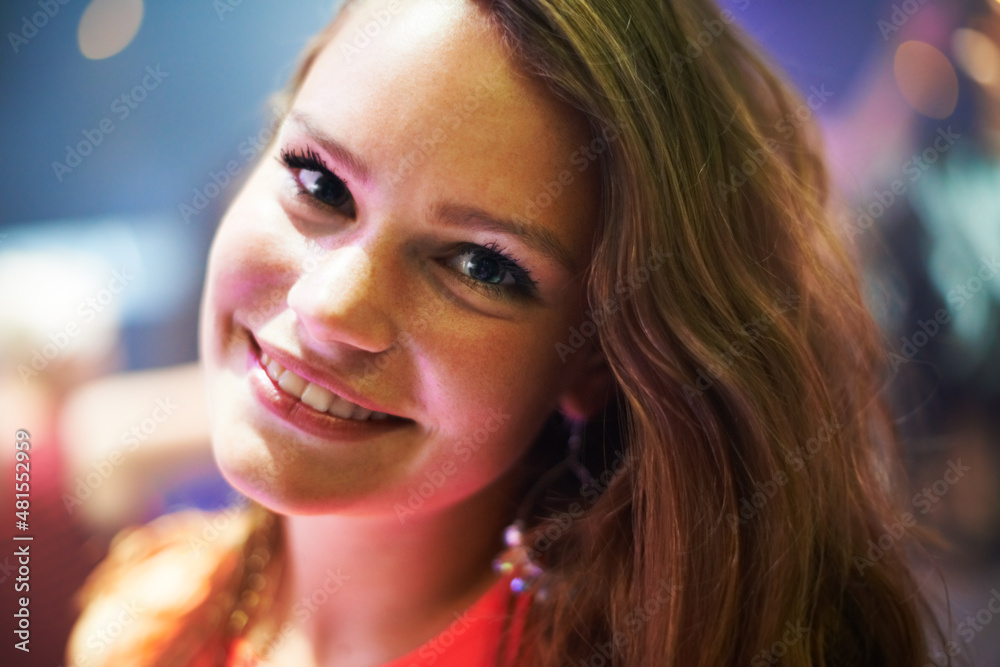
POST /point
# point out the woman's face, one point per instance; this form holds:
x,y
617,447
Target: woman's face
x,y
382,254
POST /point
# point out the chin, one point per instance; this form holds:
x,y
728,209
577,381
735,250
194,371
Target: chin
x,y
289,478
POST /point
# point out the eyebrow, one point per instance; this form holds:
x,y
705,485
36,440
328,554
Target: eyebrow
x,y
454,215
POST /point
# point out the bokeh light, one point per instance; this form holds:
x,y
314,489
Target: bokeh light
x,y
926,78
978,55
108,26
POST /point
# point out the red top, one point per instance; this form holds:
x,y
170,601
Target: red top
x,y
472,640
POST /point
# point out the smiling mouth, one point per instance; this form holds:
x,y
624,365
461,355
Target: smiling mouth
x,y
316,397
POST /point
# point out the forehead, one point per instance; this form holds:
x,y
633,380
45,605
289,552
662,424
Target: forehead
x,y
431,99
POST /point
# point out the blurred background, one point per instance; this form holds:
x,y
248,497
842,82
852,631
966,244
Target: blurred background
x,y
127,127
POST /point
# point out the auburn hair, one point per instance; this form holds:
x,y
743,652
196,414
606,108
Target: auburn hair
x,y
760,458
756,461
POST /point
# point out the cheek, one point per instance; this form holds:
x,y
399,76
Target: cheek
x,y
251,261
250,252
490,391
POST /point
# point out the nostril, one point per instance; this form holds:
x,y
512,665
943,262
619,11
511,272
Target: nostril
x,y
335,306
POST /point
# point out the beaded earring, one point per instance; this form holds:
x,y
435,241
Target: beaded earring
x,y
518,559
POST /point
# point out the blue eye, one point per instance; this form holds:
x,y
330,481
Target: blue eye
x,y
489,269
317,182
486,268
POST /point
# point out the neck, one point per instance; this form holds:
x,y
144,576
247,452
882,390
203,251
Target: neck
x,y
368,589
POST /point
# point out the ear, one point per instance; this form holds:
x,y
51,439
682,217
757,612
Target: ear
x,y
589,386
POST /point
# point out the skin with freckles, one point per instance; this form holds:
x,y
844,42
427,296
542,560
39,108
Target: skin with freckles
x,y
411,242
388,306
385,275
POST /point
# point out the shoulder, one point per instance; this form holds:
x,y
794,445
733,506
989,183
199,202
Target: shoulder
x,y
161,590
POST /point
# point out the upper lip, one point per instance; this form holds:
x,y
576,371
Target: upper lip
x,y
322,378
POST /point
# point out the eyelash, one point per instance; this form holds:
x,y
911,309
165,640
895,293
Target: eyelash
x,y
310,161
524,285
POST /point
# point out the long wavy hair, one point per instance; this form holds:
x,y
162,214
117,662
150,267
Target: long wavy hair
x,y
756,460
762,458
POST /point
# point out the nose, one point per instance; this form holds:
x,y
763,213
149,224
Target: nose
x,y
341,301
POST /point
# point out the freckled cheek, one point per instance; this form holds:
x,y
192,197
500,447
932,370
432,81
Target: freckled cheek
x,y
500,386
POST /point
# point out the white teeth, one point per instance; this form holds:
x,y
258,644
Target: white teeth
x,y
317,397
274,370
341,408
292,383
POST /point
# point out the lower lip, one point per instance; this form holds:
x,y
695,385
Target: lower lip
x,y
306,419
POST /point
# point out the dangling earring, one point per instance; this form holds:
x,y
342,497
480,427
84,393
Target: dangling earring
x,y
518,559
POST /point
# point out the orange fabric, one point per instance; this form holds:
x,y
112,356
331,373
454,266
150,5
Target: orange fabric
x,y
472,640
186,568
156,588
